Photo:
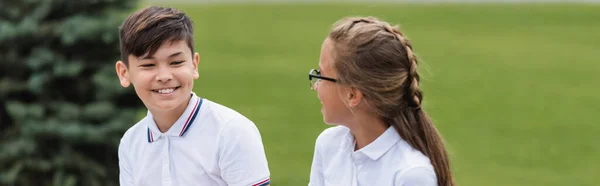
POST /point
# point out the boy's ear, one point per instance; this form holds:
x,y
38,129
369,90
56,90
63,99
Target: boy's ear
x,y
123,73
195,62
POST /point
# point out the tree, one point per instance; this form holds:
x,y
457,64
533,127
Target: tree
x,y
62,111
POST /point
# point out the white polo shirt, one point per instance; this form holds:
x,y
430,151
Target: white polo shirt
x,y
388,160
209,144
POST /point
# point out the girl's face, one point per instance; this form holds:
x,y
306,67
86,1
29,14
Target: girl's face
x,y
331,94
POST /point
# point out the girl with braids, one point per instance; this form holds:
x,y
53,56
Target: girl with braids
x,y
368,84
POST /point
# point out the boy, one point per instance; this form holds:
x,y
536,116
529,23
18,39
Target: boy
x,y
184,139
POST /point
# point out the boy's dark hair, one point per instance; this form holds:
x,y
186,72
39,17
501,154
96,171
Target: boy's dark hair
x,y
146,29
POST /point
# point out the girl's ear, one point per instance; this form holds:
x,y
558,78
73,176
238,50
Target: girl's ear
x,y
353,97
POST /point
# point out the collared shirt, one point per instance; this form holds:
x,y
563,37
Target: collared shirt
x,y
209,144
388,160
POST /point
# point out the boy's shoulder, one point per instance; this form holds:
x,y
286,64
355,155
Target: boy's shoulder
x,y
224,118
219,112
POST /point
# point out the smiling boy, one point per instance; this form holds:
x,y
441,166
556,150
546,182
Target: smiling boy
x,y
184,139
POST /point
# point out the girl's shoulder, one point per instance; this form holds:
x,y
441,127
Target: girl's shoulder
x,y
333,133
333,137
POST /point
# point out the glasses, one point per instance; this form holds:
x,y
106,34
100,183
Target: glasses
x,y
315,76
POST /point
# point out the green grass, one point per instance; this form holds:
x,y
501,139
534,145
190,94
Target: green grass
x,y
512,88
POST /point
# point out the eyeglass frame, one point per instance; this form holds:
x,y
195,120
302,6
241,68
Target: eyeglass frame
x,y
318,77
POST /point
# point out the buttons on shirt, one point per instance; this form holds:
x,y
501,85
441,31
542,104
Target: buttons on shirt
x,y
166,168
360,160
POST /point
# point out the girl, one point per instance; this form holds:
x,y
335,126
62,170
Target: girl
x,y
368,84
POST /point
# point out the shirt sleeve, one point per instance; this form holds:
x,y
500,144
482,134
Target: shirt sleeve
x,y
242,160
416,176
125,172
316,170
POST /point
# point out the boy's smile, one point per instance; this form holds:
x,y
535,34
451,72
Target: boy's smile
x,y
166,90
166,93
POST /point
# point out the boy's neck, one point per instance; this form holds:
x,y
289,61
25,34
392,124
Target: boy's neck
x,y
165,119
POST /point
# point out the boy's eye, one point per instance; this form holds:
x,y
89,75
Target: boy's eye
x,y
147,65
176,62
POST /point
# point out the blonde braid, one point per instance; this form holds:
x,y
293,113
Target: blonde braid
x,y
415,94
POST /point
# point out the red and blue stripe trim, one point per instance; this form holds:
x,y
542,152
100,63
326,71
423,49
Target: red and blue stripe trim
x,y
188,122
150,137
263,182
192,117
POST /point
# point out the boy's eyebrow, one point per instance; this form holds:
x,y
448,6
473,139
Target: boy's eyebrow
x,y
175,54
170,56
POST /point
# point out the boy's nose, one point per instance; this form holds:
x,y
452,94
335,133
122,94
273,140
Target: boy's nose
x,y
164,75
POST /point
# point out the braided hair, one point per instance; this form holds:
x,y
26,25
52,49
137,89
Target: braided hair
x,y
378,59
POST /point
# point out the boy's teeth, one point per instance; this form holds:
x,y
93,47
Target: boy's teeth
x,y
165,91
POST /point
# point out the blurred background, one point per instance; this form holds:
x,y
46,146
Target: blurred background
x,y
511,85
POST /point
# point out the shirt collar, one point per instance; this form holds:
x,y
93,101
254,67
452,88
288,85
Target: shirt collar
x,y
181,126
382,144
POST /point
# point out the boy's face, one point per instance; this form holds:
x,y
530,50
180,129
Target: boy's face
x,y
162,81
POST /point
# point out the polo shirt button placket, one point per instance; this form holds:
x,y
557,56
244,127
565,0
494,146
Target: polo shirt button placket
x,y
166,168
360,160
356,168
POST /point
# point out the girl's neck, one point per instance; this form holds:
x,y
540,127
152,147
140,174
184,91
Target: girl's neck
x,y
366,129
